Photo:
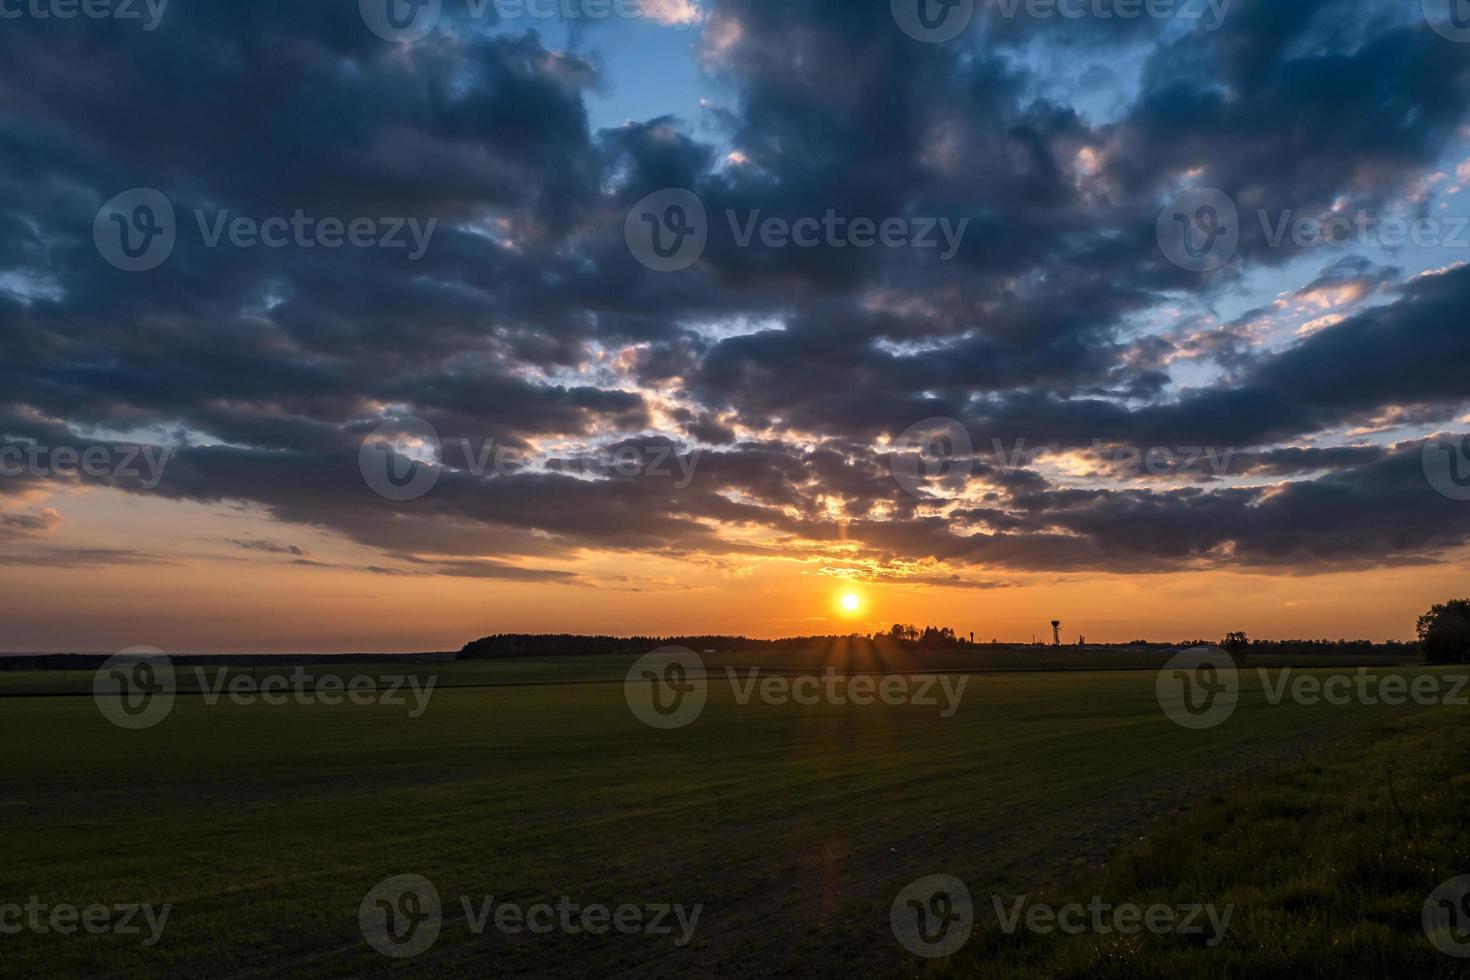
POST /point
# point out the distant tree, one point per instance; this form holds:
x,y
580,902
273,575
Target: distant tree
x,y
929,638
1444,632
1236,644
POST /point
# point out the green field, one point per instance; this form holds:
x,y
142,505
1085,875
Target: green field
x,y
792,826
1327,865
577,669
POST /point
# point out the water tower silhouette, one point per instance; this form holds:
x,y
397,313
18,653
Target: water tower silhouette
x,y
1056,632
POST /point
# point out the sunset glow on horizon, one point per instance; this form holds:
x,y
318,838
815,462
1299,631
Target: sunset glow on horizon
x,y
200,591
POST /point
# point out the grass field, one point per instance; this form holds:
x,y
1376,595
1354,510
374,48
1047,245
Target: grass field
x,y
1328,866
578,669
792,826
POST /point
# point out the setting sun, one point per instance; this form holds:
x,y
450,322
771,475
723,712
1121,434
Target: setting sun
x,y
851,602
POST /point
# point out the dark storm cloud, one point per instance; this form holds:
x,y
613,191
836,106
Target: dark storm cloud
x,y
527,319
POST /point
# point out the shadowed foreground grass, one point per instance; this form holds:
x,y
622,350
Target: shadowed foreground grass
x,y
1328,867
792,826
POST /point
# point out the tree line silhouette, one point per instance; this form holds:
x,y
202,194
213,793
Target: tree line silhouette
x,y
1444,637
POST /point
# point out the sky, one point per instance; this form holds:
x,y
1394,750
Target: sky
x,y
381,326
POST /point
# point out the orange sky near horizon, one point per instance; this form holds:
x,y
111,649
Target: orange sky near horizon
x,y
195,591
